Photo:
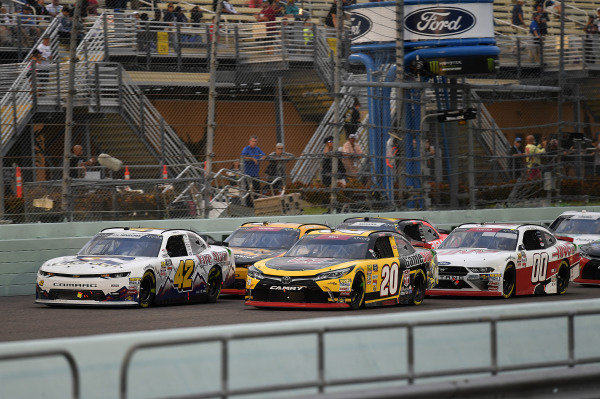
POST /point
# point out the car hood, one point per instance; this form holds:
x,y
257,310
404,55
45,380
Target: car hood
x,y
93,264
475,257
303,264
581,239
247,256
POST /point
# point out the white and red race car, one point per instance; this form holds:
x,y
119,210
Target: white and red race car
x,y
139,267
504,260
583,227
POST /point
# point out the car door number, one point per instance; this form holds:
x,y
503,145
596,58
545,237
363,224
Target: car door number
x,y
540,267
183,277
389,280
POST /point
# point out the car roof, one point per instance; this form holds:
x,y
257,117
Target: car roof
x,y
350,232
287,225
512,226
583,214
143,230
375,219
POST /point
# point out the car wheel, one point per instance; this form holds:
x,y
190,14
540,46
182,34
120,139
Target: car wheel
x,y
419,288
357,298
562,278
214,284
147,290
509,281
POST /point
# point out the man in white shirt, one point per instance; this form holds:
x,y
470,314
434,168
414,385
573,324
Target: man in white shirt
x,y
54,9
45,50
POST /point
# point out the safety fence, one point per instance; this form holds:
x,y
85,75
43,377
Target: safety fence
x,y
417,348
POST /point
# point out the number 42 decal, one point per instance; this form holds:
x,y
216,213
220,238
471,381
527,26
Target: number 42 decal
x,y
183,277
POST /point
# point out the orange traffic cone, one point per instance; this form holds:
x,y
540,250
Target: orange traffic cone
x,y
126,172
165,174
19,183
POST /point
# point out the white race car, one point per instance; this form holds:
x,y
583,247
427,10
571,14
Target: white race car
x,y
123,266
583,227
504,260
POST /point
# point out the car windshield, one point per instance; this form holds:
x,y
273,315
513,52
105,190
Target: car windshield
x,y
123,245
500,239
330,246
263,237
578,226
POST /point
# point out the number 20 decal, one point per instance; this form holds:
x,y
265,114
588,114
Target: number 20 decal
x,y
540,267
389,280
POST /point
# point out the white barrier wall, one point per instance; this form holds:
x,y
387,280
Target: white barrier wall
x,y
196,368
24,247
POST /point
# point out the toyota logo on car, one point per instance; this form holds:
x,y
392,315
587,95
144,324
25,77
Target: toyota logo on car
x,y
439,21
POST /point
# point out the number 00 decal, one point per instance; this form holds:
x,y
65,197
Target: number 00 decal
x,y
540,267
183,277
389,280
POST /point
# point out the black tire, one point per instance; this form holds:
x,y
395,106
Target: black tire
x,y
357,297
562,278
214,284
147,290
419,288
509,281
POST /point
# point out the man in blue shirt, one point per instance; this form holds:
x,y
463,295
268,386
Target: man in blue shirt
x,y
252,155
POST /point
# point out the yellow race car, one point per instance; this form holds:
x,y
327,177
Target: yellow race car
x,y
255,241
343,269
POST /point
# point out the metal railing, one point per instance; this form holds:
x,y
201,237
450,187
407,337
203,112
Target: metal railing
x,y
321,381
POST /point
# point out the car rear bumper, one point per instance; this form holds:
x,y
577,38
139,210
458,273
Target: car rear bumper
x,y
297,305
586,281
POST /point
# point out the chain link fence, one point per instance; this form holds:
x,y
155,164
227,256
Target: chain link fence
x,y
141,118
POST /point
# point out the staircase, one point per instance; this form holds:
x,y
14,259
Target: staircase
x,y
312,100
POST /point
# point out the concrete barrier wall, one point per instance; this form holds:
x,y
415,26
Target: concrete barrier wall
x,y
180,370
24,247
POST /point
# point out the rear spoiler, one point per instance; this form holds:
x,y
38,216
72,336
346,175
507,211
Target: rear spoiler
x,y
570,239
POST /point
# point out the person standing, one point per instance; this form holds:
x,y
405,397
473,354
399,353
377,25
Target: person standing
x,y
544,18
278,160
517,16
352,118
252,155
77,163
352,154
533,160
516,161
327,164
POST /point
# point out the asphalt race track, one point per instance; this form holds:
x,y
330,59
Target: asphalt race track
x,y
22,319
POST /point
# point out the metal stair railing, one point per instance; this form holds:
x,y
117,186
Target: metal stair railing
x,y
19,102
307,166
323,56
260,42
490,135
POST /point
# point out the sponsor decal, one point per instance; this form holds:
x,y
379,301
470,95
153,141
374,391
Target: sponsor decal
x,y
369,268
413,260
287,288
443,263
345,281
75,285
114,286
406,278
41,283
375,267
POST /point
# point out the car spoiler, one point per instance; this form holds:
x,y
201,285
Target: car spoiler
x,y
570,239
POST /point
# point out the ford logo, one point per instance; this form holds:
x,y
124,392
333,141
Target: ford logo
x,y
439,21
361,25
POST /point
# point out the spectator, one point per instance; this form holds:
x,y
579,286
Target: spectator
x,y
517,15
552,6
40,8
331,18
307,32
45,50
157,16
352,155
54,8
429,152
252,155
228,8
291,9
65,24
534,29
169,14
92,8
77,163
179,15
352,118
268,13
5,29
516,161
598,19
543,21
29,26
277,163
532,152
534,26
327,164
196,16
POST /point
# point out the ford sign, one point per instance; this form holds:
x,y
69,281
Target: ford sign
x,y
439,21
361,25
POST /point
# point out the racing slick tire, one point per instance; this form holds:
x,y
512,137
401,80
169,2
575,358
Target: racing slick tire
x,y
419,288
147,290
509,281
562,278
214,284
357,297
